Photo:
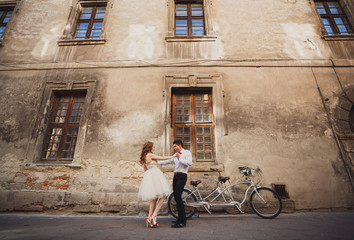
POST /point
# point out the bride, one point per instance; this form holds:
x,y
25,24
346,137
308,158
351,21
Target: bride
x,y
154,186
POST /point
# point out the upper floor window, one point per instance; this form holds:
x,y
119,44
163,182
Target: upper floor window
x,y
189,19
5,15
333,17
89,23
63,128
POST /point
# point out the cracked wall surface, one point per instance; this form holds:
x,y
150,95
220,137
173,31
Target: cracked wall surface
x,y
271,61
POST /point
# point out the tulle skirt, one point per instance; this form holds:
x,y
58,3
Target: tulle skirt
x,y
153,185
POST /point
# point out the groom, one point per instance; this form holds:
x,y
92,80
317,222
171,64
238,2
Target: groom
x,y
182,162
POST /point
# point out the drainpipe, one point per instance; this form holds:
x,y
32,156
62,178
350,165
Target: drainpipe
x,y
341,155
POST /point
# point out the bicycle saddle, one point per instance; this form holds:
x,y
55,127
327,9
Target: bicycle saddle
x,y
195,183
223,179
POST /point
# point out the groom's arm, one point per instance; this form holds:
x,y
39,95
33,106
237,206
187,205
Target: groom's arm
x,y
165,162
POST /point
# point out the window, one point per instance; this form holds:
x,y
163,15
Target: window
x,y
89,24
63,128
5,15
193,121
196,119
351,118
86,23
189,19
334,20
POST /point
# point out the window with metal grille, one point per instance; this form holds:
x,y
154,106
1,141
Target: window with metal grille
x,y
193,123
333,17
280,190
63,127
189,19
89,24
5,15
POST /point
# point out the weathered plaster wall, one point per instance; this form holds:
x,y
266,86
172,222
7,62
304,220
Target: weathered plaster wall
x,y
283,132
246,32
274,119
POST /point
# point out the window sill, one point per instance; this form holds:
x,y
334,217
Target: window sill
x,y
69,165
346,136
349,37
191,39
196,167
75,42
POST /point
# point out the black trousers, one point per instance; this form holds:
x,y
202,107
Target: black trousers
x,y
179,181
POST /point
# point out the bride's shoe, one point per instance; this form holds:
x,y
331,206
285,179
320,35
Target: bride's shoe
x,y
149,222
154,222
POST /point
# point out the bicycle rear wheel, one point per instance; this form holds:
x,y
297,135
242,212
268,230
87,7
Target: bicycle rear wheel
x,y
265,202
187,196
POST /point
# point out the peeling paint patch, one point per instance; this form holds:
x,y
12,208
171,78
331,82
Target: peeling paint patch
x,y
300,40
132,128
139,43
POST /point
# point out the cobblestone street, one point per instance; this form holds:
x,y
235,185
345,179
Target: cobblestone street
x,y
312,226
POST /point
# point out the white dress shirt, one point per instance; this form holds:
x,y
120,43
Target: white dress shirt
x,y
182,164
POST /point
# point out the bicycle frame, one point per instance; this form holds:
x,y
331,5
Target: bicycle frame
x,y
203,202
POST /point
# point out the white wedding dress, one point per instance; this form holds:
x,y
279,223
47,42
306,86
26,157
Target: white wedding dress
x,y
154,183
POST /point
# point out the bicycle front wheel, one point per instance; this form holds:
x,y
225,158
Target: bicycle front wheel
x,y
265,202
187,196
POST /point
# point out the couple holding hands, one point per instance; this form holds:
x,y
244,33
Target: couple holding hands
x,y
155,187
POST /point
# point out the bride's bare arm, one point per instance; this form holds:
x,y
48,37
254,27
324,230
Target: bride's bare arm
x,y
155,157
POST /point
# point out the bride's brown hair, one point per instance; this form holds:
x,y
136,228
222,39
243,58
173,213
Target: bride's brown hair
x,y
146,149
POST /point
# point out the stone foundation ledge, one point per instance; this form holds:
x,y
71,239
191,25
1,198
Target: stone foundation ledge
x,y
75,202
71,201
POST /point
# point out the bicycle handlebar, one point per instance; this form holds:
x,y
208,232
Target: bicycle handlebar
x,y
243,168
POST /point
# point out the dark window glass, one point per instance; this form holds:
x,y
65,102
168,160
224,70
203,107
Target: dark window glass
x,y
193,121
351,119
63,128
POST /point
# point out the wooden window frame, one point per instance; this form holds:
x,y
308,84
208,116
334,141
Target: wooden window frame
x,y
351,118
211,81
64,126
68,37
190,18
193,124
14,6
2,17
90,21
331,17
208,23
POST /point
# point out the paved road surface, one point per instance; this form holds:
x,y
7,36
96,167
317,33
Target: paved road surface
x,y
298,226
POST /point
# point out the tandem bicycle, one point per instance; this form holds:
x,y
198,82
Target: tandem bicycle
x,y
265,202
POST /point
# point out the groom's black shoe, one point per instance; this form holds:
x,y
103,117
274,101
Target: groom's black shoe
x,y
178,225
174,222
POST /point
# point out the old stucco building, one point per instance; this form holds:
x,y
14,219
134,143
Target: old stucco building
x,y
264,83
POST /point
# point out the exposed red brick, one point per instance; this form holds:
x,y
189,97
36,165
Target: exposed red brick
x,y
63,178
